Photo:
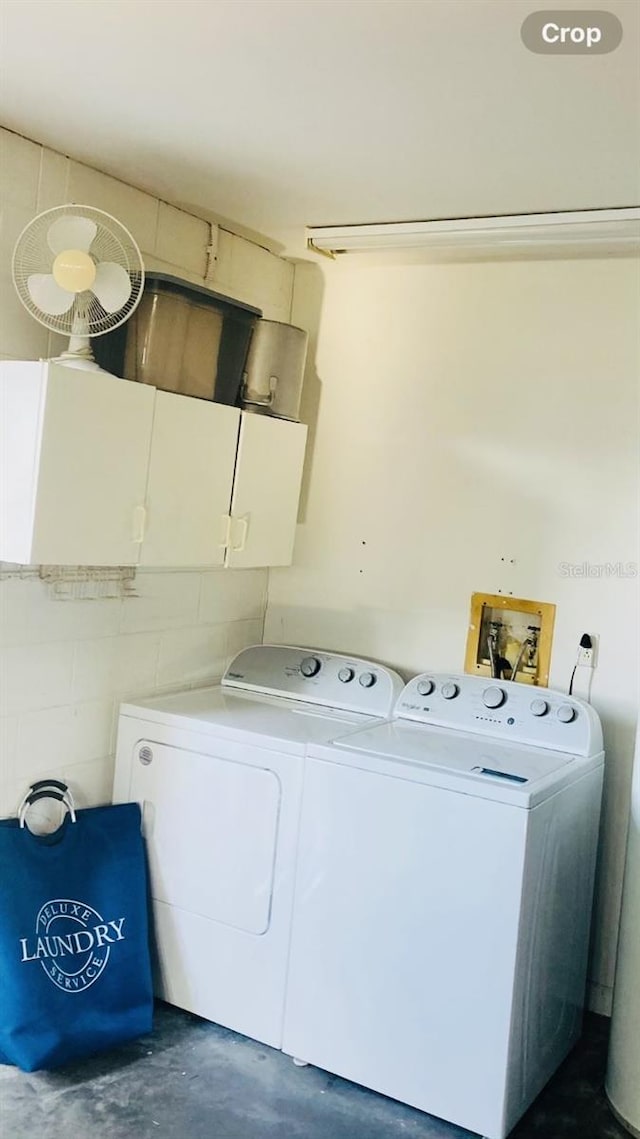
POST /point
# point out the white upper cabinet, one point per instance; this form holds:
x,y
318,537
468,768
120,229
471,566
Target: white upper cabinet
x,y
266,490
99,471
193,450
74,454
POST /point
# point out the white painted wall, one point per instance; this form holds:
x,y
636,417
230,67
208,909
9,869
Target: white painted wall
x,y
462,416
66,664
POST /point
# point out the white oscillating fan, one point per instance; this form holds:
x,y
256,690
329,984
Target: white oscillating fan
x,y
79,272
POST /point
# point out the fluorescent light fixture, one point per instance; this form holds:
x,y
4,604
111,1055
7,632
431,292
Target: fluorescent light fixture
x,y
616,230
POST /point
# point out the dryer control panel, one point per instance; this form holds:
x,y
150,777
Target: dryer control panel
x,y
503,709
316,677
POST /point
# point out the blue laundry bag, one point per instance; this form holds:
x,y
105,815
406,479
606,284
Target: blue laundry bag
x,y
75,973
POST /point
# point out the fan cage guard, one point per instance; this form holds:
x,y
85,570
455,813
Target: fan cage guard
x,y
86,316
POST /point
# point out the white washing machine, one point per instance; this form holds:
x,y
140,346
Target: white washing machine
x,y
443,898
218,772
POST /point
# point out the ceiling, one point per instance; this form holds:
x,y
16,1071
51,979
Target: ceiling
x,y
282,113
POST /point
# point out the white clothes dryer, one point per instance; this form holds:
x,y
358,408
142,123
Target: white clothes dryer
x,y
218,773
443,898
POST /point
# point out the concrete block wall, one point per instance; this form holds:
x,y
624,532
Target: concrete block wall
x,y
66,664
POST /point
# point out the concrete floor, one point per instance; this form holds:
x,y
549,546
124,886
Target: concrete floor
x,y
193,1080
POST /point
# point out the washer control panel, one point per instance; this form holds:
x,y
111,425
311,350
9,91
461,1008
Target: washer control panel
x,y
502,709
316,677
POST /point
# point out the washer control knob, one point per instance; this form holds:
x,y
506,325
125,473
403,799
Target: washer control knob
x,y
566,713
310,666
367,679
493,696
345,675
539,707
425,687
449,690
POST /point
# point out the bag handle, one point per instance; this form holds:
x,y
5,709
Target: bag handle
x,y
40,784
46,789
57,783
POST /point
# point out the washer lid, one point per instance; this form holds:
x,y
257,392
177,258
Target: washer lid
x,y
264,721
459,761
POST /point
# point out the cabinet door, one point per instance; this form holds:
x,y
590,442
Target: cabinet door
x,y
92,468
266,490
193,449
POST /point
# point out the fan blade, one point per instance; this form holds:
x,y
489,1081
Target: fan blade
x,y
111,286
46,293
71,232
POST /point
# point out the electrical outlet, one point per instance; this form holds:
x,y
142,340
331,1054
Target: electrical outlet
x,y
587,657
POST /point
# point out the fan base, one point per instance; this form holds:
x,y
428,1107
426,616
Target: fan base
x,y
70,360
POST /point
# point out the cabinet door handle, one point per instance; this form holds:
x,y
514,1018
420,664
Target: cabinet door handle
x,y
139,524
244,522
226,530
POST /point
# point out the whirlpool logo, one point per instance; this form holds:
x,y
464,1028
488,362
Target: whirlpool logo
x,y
72,942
